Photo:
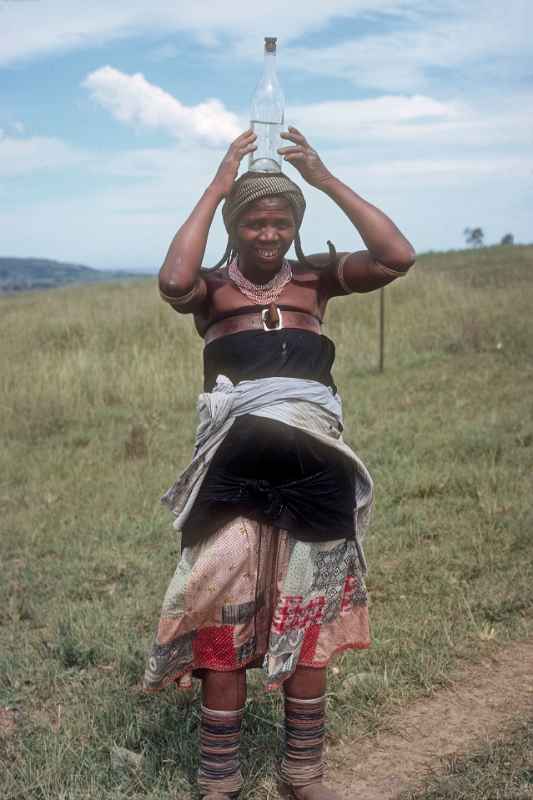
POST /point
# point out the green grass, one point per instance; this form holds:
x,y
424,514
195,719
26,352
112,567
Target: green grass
x,y
499,770
97,392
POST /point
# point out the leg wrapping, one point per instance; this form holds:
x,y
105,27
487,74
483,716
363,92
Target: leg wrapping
x,y
303,761
220,733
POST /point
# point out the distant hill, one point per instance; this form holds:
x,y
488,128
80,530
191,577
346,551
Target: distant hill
x,y
27,274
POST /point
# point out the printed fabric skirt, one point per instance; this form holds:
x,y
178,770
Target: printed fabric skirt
x,y
253,596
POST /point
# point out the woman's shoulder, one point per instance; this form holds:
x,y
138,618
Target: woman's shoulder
x,y
302,273
215,276
320,274
220,288
323,270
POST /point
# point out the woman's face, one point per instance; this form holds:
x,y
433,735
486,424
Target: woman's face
x,y
264,233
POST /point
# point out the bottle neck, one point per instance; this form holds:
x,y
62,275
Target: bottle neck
x,y
269,67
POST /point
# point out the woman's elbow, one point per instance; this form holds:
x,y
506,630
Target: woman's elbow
x,y
175,286
408,258
401,259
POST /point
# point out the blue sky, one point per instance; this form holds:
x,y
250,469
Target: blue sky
x,y
114,117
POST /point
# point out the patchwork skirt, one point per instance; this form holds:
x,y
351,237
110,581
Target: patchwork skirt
x,y
253,596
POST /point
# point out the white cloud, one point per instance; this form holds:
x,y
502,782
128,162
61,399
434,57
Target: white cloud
x,y
434,127
481,39
475,37
133,100
450,170
162,165
164,52
342,120
20,156
34,29
142,162
135,220
206,38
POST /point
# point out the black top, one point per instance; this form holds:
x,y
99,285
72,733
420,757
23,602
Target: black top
x,y
265,469
288,353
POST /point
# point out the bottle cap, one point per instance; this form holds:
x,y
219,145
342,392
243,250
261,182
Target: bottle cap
x,y
270,43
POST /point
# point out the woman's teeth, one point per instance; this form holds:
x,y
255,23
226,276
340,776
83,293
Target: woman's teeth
x,y
267,253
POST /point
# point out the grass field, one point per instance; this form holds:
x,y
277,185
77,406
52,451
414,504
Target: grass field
x,y
97,392
500,770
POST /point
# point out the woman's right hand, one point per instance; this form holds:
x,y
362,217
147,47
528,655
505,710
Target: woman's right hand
x,y
229,166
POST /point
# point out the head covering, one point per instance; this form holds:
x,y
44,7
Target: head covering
x,y
256,185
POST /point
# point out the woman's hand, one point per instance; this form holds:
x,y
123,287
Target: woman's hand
x,y
306,160
229,166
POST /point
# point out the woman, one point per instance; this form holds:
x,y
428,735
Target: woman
x,y
273,506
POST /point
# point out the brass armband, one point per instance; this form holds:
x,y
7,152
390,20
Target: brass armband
x,y
183,298
396,273
340,274
389,271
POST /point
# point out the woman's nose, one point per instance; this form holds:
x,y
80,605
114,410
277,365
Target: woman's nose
x,y
268,234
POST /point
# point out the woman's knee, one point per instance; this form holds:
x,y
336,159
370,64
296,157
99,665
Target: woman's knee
x,y
306,683
224,691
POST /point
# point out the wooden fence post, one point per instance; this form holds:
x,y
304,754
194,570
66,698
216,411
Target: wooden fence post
x,y
381,328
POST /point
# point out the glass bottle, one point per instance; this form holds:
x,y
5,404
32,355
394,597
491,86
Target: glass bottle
x,y
267,115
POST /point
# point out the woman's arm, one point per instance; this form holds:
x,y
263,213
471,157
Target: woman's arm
x,y
179,274
389,253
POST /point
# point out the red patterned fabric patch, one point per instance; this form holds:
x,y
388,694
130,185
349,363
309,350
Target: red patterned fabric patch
x,y
307,653
213,647
350,585
292,614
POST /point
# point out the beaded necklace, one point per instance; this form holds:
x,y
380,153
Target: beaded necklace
x,y
263,293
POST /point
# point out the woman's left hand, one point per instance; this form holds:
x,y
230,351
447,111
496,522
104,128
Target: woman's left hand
x,y
306,160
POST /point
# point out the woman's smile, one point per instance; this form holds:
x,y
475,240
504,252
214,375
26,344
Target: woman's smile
x,y
264,234
268,253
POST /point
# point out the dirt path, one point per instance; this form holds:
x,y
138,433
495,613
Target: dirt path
x,y
486,698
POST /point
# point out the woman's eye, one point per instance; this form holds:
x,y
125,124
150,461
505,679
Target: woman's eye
x,y
256,226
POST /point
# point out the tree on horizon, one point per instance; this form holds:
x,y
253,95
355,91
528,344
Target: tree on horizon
x,y
474,236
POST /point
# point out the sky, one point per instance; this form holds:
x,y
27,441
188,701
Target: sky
x,y
115,115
